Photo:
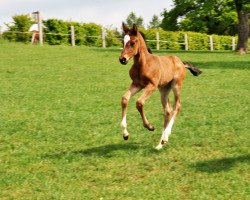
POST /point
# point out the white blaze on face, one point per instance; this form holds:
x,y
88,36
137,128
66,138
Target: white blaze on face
x,y
126,39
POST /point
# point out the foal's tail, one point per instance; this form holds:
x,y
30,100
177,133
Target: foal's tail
x,y
193,69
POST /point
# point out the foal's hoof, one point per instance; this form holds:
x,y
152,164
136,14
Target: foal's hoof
x,y
158,147
125,137
149,127
163,142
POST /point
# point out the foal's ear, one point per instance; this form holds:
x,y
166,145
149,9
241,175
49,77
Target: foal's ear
x,y
125,28
134,30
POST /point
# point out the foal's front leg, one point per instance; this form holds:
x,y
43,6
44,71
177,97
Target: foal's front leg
x,y
133,89
149,89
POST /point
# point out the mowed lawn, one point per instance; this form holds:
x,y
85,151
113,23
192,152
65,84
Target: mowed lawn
x,y
60,136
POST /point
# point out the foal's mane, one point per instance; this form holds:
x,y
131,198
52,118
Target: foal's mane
x,y
144,38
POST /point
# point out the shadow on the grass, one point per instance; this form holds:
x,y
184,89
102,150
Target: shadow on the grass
x,y
239,65
219,165
108,150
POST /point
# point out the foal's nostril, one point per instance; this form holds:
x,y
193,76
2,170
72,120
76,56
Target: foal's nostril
x,y
123,61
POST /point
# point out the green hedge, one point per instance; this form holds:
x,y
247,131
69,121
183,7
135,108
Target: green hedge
x,y
196,41
57,32
87,34
171,38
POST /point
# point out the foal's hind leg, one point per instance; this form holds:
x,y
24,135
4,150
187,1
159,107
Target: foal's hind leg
x,y
166,104
167,109
168,124
149,89
125,99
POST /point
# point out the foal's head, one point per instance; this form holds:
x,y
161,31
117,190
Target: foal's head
x,y
131,43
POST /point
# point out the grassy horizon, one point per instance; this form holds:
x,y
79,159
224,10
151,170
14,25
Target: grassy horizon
x,y
60,136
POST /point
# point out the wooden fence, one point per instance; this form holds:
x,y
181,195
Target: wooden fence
x,y
104,38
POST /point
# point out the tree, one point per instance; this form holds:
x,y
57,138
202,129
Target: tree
x,y
243,9
155,22
209,16
222,17
133,19
21,25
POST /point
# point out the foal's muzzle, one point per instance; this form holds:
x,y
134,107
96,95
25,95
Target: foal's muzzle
x,y
123,61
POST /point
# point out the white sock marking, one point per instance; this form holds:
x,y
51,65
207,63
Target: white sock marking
x,y
165,133
124,126
124,122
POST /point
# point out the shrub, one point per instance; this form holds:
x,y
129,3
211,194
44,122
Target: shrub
x,y
112,38
222,42
18,32
198,41
93,34
80,33
56,32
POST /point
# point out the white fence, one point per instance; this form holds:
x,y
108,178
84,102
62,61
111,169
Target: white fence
x,y
104,38
186,43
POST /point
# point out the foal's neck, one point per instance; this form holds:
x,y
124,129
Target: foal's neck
x,y
140,57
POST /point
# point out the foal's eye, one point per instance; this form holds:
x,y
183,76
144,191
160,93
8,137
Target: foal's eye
x,y
132,43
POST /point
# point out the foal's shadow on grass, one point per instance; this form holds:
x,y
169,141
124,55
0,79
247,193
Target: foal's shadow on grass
x,y
107,151
219,165
223,65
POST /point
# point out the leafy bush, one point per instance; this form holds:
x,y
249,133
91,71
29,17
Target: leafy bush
x,y
18,32
80,33
112,38
93,34
151,35
56,32
198,41
222,42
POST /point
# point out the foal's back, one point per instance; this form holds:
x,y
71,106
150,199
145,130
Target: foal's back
x,y
171,68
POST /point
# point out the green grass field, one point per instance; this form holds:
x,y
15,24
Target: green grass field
x,y
60,136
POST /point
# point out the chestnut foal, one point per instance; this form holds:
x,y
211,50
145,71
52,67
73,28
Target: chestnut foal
x,y
150,72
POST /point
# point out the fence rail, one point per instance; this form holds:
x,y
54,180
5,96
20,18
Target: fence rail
x,y
104,37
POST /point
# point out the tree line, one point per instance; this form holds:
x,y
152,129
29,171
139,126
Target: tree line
x,y
220,17
57,32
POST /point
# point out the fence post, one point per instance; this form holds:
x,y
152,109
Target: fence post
x,y
40,28
157,41
211,42
72,35
186,42
103,38
233,43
